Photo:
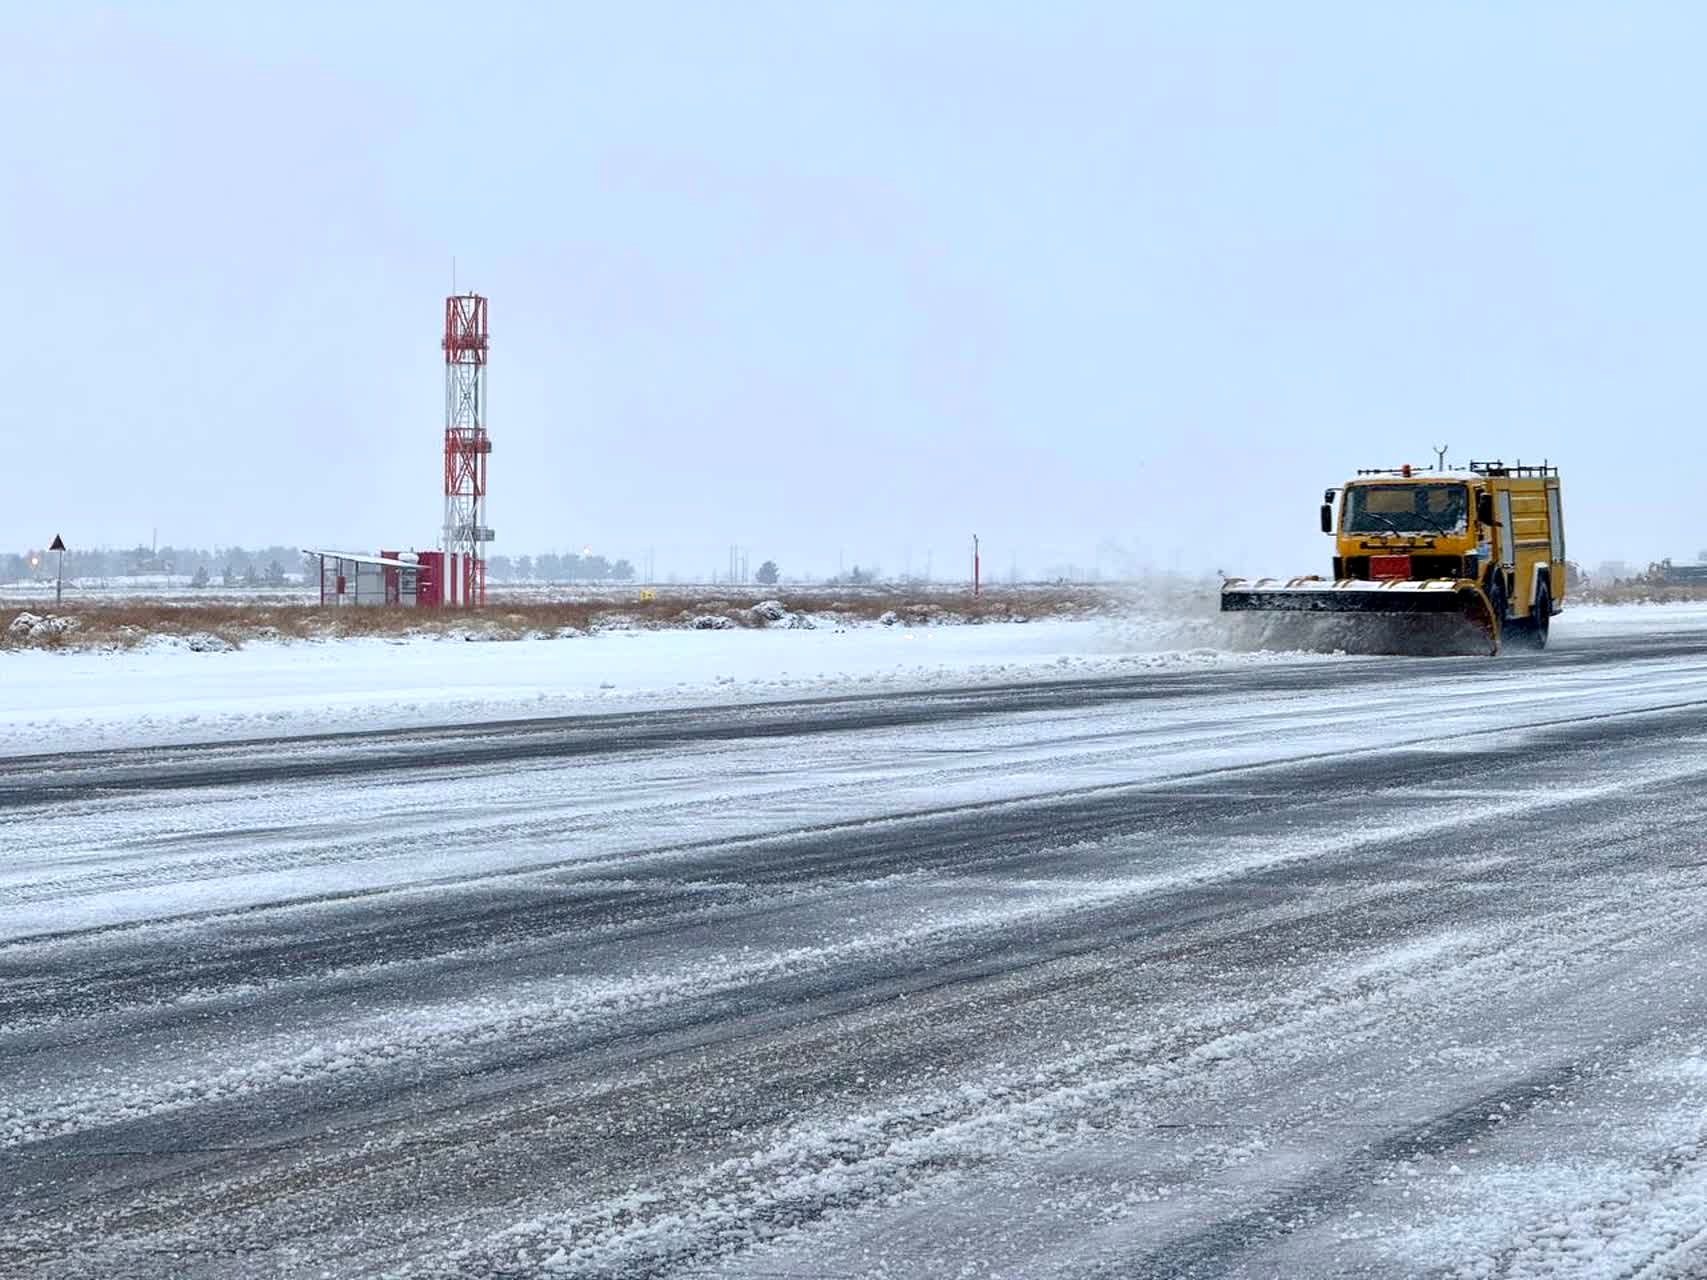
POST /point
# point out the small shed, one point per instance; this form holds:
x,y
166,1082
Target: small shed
x,y
351,578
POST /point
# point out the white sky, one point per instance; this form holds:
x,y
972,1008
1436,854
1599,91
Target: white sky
x,y
850,281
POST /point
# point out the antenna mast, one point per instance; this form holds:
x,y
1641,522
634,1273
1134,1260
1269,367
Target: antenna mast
x,y
467,447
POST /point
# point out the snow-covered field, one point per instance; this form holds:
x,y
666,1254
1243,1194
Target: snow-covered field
x,y
51,701
40,594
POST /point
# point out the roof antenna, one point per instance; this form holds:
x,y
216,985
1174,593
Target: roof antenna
x,y
1440,456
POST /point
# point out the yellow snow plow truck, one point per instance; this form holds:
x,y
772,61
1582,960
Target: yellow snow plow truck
x,y
1465,558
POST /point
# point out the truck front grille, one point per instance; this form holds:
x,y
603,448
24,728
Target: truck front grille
x,y
1421,567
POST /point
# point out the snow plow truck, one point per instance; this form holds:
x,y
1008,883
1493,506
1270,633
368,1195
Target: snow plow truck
x,y
1475,556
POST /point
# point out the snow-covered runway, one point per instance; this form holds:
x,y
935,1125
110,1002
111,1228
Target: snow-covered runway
x,y
1173,968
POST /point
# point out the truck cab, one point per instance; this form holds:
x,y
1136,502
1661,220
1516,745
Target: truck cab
x,y
1497,526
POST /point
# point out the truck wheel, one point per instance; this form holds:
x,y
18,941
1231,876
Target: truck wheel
x,y
1540,619
1496,601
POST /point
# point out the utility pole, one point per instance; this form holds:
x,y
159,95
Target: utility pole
x,y
59,582
977,586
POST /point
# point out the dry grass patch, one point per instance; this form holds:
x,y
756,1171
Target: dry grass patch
x,y
214,625
1638,593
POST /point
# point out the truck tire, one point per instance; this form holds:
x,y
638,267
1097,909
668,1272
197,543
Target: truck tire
x,y
1540,618
1497,602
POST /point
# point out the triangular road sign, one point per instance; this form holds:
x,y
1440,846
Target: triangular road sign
x,y
58,543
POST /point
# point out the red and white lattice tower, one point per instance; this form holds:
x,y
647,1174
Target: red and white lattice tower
x,y
467,448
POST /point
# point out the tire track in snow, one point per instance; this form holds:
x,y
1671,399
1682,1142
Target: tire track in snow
x,y
439,1030
1343,983
479,836
1319,928
436,1032
808,1172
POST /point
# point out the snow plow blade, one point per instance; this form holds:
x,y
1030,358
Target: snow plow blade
x,y
1433,616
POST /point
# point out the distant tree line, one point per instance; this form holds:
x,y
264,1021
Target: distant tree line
x,y
276,566
552,567
229,566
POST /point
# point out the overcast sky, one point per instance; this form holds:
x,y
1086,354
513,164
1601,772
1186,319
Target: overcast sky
x,y
850,281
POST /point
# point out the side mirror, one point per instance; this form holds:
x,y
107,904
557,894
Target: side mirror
x,y
1327,518
1484,508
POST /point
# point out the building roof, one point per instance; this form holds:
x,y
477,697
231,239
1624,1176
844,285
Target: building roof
x,y
359,558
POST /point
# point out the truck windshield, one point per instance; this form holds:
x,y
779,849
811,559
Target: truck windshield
x,y
1406,508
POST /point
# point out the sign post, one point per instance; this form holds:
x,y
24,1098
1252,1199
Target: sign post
x,y
59,582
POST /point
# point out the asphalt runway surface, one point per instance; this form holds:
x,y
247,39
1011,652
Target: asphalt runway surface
x,y
1317,968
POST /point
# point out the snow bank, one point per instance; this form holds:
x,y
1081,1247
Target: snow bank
x,y
31,626
197,689
1632,618
165,694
